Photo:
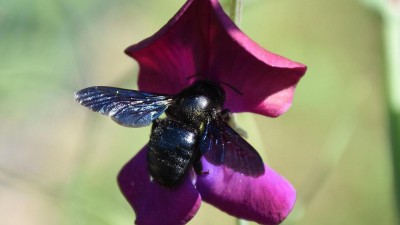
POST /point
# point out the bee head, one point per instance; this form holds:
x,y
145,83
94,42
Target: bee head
x,y
199,101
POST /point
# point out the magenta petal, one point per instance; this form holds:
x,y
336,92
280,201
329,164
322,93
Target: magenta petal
x,y
177,51
201,39
152,203
266,80
267,199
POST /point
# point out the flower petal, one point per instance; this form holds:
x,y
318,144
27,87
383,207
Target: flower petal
x,y
152,203
201,39
177,51
266,80
267,199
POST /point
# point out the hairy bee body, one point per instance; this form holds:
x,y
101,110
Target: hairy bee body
x,y
195,126
173,146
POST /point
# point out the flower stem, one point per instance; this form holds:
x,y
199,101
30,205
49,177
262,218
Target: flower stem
x,y
392,50
236,14
236,11
390,11
242,222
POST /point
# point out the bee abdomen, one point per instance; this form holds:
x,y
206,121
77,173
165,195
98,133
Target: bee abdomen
x,y
171,149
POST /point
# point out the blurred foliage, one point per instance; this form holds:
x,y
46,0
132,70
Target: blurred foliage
x,y
59,161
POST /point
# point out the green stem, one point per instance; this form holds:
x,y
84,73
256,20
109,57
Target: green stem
x,y
236,11
390,11
236,14
241,222
392,50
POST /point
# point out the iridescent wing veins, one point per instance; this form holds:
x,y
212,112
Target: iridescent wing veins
x,y
221,145
128,108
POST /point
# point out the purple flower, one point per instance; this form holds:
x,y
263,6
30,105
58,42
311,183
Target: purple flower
x,y
201,40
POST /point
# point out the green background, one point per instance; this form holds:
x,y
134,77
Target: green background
x,y
58,161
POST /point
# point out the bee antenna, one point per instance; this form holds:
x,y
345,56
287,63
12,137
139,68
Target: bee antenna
x,y
195,75
190,77
232,87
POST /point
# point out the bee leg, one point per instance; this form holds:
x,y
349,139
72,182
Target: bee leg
x,y
198,168
155,123
230,118
226,114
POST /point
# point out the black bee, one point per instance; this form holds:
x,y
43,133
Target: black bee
x,y
195,126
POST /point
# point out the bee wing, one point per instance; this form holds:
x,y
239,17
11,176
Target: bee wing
x,y
126,107
220,144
